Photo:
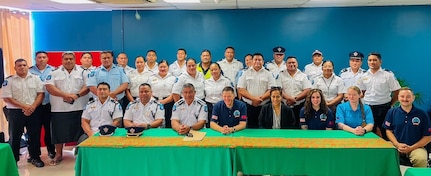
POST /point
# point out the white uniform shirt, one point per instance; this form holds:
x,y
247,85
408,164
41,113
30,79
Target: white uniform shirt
x,y
70,83
214,89
154,70
136,79
350,78
162,86
190,114
176,70
140,113
197,82
330,87
102,114
230,69
23,90
274,68
378,87
293,85
256,83
312,71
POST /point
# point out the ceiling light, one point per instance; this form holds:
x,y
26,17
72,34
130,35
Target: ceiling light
x,y
73,2
182,1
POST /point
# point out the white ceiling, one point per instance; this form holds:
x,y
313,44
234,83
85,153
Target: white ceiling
x,y
46,5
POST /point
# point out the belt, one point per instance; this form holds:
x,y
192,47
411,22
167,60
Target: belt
x,y
382,105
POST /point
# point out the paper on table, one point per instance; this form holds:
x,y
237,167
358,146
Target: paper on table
x,y
197,136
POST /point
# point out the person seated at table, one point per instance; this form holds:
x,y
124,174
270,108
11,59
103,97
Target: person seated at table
x,y
354,116
189,112
276,115
409,129
145,111
229,115
316,115
103,110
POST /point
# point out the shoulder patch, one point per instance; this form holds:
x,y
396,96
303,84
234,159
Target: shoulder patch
x,y
161,107
176,79
91,74
174,108
4,83
48,77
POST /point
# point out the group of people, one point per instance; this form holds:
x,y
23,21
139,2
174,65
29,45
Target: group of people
x,y
226,96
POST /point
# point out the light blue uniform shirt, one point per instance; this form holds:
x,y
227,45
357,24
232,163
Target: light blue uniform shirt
x,y
115,77
42,74
353,119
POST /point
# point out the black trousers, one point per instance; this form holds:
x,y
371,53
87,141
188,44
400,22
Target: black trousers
x,y
45,117
17,122
253,116
210,113
379,114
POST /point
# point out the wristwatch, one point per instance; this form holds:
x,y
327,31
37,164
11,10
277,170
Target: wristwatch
x,y
78,95
148,126
365,130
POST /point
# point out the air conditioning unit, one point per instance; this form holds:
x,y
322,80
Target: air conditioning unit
x,y
124,1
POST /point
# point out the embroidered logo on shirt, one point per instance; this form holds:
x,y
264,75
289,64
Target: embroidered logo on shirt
x,y
236,113
387,123
323,117
416,121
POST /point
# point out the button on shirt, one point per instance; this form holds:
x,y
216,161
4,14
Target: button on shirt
x,y
136,79
274,68
23,90
162,85
140,113
330,87
350,78
222,115
214,89
114,77
312,71
409,127
378,86
230,69
190,114
293,85
198,83
256,83
318,120
176,70
353,119
42,74
70,83
102,114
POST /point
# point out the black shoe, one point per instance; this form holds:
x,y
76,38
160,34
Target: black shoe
x,y
51,155
37,162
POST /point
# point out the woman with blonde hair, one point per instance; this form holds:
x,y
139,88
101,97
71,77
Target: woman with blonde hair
x,y
354,116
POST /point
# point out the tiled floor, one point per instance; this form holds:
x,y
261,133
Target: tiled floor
x,y
65,168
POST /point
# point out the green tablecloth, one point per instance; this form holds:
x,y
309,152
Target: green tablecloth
x,y
7,161
418,172
278,152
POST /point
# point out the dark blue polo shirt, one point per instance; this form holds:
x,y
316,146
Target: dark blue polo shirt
x,y
410,127
318,120
222,115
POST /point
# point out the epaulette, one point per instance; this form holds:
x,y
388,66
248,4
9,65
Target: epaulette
x,y
155,101
180,102
201,102
92,101
8,77
31,67
114,101
363,71
343,70
387,70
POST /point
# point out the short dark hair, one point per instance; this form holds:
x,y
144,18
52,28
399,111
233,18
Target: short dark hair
x,y
228,89
164,61
194,60
230,47
182,49
154,51
144,84
206,50
293,57
104,83
20,60
106,52
258,54
40,52
91,55
378,55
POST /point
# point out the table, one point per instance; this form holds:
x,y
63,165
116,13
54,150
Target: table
x,y
7,161
418,172
259,151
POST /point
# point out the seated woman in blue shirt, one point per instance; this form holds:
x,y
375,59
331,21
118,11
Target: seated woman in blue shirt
x,y
316,115
354,116
276,115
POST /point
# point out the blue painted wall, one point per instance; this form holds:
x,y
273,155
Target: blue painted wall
x,y
401,34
